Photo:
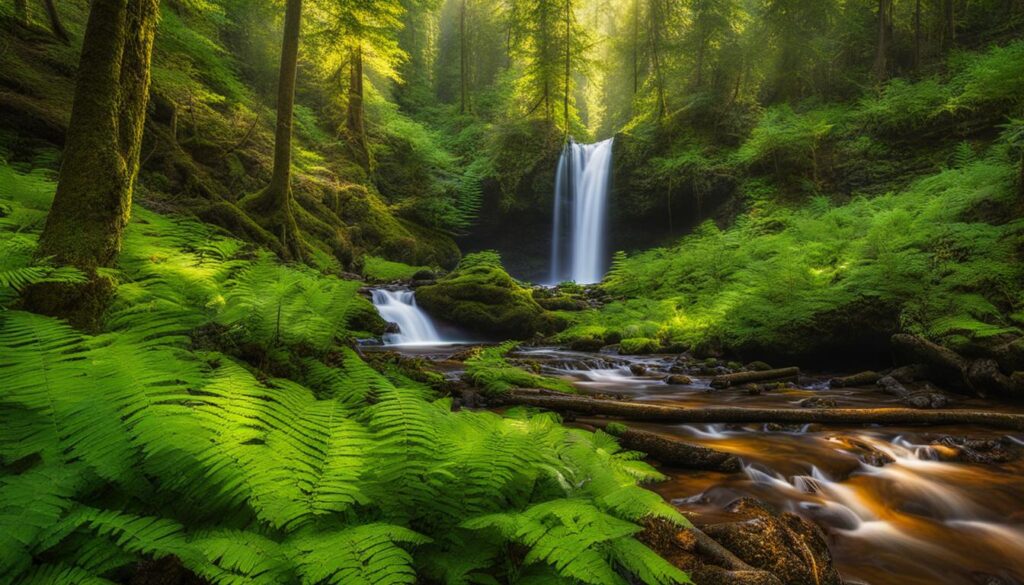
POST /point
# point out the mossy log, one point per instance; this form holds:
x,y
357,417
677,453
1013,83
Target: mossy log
x,y
726,380
828,416
867,378
669,451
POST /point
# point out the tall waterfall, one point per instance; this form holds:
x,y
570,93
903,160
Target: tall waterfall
x,y
578,248
414,326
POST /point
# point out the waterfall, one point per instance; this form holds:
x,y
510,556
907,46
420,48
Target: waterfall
x,y
414,326
578,248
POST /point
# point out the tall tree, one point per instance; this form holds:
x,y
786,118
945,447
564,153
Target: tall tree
x,y
656,32
101,157
274,203
355,119
22,12
883,40
56,27
463,61
948,24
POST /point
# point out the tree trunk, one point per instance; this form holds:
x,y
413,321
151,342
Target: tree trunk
x,y
101,157
917,35
948,24
656,57
463,64
274,202
356,123
842,416
568,57
636,46
55,25
22,12
881,67
700,62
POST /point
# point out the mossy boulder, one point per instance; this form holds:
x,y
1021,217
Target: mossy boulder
x,y
480,296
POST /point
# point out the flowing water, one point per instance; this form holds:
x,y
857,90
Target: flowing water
x,y
578,236
414,326
895,508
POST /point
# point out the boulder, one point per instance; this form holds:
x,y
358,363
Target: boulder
x,y
637,369
480,296
942,365
989,380
792,549
679,380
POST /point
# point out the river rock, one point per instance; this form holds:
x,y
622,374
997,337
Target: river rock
x,y
792,549
988,379
637,369
944,366
678,380
927,396
909,373
974,450
890,385
818,402
758,366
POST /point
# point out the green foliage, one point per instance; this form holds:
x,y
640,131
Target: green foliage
x,y
784,140
943,256
146,442
489,370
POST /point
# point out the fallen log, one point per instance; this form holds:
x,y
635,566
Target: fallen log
x,y
677,414
726,380
867,378
669,451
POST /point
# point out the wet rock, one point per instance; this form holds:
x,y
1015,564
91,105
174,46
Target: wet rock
x,y
987,378
758,366
818,402
637,369
783,428
392,328
712,575
890,385
927,396
754,389
943,365
792,549
586,344
909,373
866,378
974,450
1011,355
679,380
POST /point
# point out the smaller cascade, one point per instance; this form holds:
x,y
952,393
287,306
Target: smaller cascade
x,y
414,326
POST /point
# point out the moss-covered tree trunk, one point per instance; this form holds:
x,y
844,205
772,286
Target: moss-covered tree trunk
x,y
56,27
355,119
881,67
101,157
22,12
274,203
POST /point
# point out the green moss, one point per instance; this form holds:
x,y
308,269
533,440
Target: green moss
x,y
490,371
379,269
479,295
639,345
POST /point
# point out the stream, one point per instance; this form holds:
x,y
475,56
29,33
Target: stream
x,y
894,504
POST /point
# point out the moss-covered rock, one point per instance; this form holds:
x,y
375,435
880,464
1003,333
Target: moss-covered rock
x,y
479,295
639,345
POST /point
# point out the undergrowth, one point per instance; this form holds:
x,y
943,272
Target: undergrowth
x,y
154,439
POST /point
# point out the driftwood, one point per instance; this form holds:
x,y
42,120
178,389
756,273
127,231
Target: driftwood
x,y
726,380
676,414
669,451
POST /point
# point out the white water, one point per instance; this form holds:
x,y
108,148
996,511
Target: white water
x,y
414,326
581,199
